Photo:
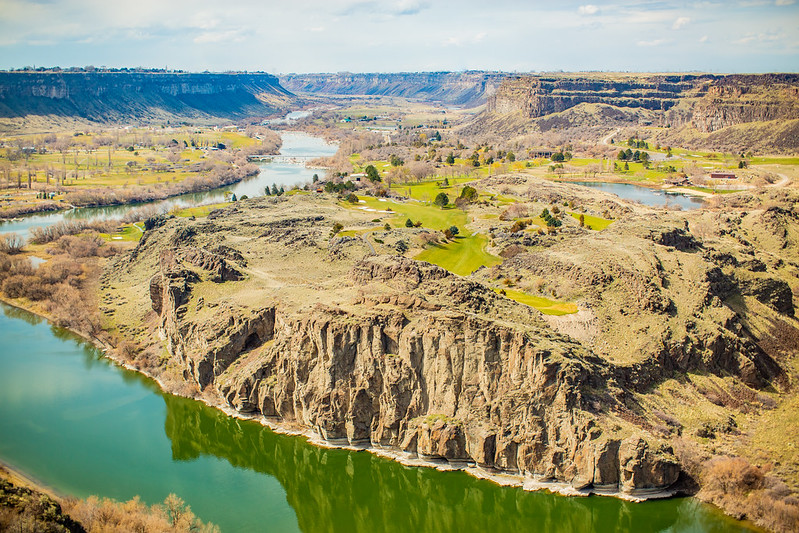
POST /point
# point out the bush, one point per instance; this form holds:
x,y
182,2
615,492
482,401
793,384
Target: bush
x,y
110,516
744,491
469,193
351,198
11,244
519,225
441,200
338,226
409,223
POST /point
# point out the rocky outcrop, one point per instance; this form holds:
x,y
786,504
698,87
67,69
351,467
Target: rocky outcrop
x,y
444,384
141,96
456,88
702,104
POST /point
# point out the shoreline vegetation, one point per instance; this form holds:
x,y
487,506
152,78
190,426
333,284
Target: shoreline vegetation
x,y
26,505
50,173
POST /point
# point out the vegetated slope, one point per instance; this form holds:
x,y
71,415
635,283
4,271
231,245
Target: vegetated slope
x,y
146,97
468,89
419,360
696,108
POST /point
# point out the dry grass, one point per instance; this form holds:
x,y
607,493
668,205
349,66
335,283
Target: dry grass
x,y
109,516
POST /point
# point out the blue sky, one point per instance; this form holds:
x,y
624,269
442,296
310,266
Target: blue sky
x,y
403,35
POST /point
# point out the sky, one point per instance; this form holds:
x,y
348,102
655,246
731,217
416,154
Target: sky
x,y
403,35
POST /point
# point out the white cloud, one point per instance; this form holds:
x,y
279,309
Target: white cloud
x,y
461,41
655,42
588,9
230,36
680,23
784,2
704,39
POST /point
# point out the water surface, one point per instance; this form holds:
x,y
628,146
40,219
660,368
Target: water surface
x,y
287,175
645,195
83,426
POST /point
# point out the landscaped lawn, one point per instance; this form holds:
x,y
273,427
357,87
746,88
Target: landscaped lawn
x,y
462,256
593,222
545,305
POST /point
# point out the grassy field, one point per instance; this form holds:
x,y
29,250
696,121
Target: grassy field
x,y
592,222
199,211
141,157
545,305
129,233
462,256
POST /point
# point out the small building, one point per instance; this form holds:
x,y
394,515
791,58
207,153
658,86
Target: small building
x,y
721,175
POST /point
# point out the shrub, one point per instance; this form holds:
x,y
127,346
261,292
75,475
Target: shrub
x,y
351,198
469,193
338,226
409,223
519,225
441,199
11,244
14,286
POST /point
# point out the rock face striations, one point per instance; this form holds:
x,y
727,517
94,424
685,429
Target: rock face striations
x,y
467,89
703,103
140,96
384,351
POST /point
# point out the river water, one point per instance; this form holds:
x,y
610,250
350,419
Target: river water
x,y
295,144
645,195
82,425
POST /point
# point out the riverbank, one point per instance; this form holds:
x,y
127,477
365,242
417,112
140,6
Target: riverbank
x,y
212,398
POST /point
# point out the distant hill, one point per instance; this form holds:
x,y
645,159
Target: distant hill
x,y
144,97
722,112
468,89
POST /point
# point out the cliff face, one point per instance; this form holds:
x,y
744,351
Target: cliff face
x,y
705,104
388,352
467,89
140,96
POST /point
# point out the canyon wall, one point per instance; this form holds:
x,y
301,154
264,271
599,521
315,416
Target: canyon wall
x,y
140,96
466,89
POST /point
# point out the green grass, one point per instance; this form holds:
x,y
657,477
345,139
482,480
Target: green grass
x,y
199,211
714,191
593,222
129,233
432,217
545,305
462,256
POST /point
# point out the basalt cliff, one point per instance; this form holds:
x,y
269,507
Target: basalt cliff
x,y
371,349
139,97
713,108
467,89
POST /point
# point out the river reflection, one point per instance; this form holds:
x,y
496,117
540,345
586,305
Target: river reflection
x,y
341,490
78,423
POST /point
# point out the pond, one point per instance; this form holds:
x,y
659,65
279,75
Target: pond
x,y
645,195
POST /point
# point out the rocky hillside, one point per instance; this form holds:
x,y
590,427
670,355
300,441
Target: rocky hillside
x,y
315,332
702,104
139,97
468,89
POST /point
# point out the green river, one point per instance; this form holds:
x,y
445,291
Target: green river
x,y
82,425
